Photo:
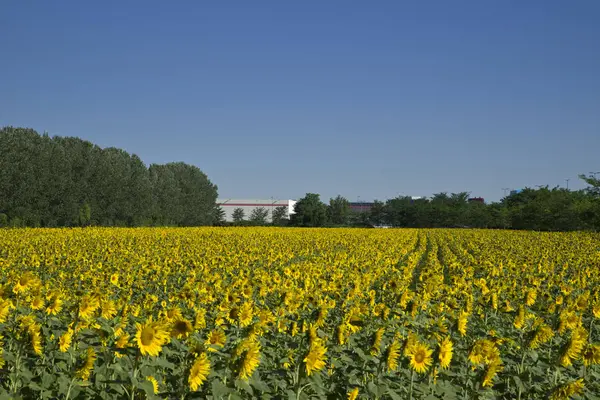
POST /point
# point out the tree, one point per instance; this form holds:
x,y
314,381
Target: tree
x,y
85,214
48,181
238,215
593,182
309,211
259,216
378,213
279,217
219,218
339,210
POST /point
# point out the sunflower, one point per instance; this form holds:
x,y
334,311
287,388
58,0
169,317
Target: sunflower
x,y
173,314
199,372
591,355
542,334
342,334
376,344
353,394
245,314
520,318
5,306
574,347
392,356
151,336
409,345
249,360
65,340
84,372
26,321
108,309
37,303
154,383
491,372
530,297
294,329
36,338
114,279
315,359
122,341
566,391
55,306
88,305
420,359
216,338
462,323
181,328
445,354
485,352
200,319
25,282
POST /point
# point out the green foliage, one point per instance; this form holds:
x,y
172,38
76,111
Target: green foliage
x,y
339,211
238,215
219,218
540,209
259,216
58,181
279,217
85,214
309,211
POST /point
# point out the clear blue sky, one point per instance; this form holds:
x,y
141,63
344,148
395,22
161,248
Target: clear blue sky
x,y
280,98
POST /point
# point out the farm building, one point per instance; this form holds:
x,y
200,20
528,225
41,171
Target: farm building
x,y
249,205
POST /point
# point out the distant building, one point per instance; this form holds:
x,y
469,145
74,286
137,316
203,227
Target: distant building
x,y
515,191
361,206
476,200
249,205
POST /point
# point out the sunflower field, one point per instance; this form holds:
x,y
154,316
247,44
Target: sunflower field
x,y
282,313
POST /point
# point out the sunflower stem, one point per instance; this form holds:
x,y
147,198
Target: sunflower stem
x,y
69,390
412,377
135,370
591,329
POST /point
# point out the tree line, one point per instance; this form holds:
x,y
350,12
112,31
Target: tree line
x,y
543,209
64,181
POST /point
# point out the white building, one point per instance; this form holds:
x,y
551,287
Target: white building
x,y
249,205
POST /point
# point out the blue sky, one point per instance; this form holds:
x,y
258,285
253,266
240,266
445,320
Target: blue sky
x,y
279,98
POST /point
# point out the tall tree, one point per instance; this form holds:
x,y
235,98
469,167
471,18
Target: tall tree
x,y
309,211
279,217
56,181
339,210
259,216
378,213
238,215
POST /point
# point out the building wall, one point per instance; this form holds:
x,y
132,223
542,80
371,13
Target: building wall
x,y
249,205
361,206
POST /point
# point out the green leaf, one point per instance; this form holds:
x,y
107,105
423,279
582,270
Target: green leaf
x,y
242,384
259,385
47,380
26,373
372,387
518,382
219,389
394,395
146,386
164,363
